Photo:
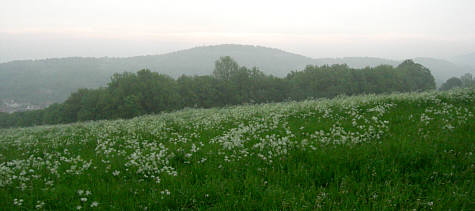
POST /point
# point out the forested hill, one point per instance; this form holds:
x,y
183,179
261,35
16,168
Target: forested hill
x,y
43,82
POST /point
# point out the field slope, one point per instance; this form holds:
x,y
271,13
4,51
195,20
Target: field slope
x,y
399,151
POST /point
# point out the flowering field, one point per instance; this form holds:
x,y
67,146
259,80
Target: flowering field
x,y
399,151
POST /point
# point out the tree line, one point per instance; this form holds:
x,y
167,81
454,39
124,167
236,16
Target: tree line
x,y
464,81
132,94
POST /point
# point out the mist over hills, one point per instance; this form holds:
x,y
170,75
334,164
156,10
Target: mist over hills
x,y
443,69
465,60
42,82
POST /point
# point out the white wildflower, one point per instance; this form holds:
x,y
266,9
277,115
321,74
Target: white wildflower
x,y
39,204
94,204
18,202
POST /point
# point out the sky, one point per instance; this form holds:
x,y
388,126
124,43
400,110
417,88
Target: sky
x,y
37,29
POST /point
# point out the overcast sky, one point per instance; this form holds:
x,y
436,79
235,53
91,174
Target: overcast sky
x,y
34,29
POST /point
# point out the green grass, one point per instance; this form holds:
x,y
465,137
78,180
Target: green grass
x,y
396,152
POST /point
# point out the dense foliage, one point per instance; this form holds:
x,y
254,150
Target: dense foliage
x,y
145,92
43,82
465,81
409,151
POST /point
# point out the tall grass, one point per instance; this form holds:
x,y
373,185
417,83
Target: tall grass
x,y
399,151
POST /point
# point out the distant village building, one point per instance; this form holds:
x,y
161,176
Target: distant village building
x,y
10,106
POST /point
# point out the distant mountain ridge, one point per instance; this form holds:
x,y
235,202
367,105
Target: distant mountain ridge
x,y
42,82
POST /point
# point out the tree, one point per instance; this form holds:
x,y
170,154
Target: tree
x,y
451,83
4,120
467,80
73,105
415,77
206,90
187,91
89,105
224,67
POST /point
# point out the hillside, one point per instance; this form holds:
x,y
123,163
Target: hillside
x,y
465,60
52,80
411,151
442,69
42,82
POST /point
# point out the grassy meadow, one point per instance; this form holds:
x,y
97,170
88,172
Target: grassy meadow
x,y
397,152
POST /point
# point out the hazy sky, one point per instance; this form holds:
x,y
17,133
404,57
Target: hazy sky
x,y
32,29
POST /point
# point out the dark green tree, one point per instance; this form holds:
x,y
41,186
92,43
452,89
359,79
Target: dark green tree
x,y
451,83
